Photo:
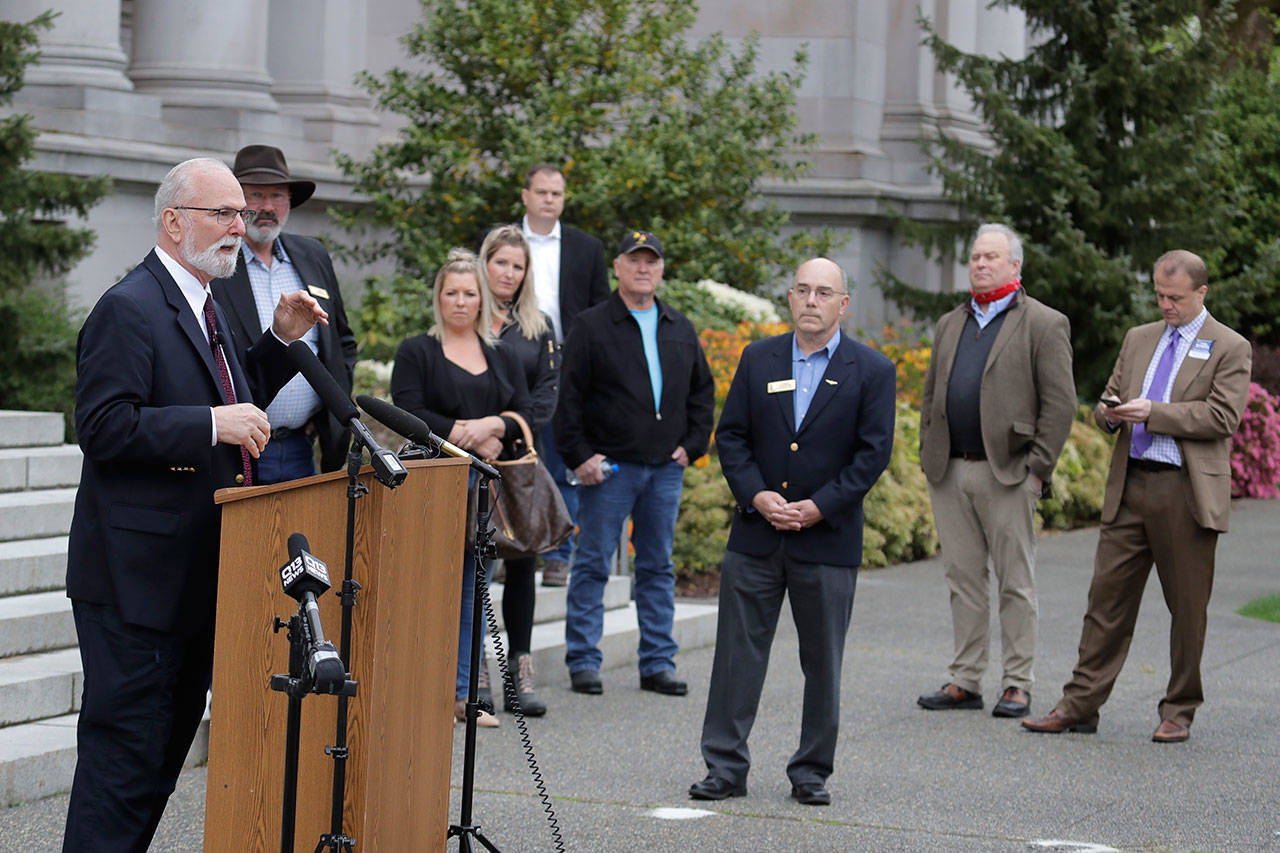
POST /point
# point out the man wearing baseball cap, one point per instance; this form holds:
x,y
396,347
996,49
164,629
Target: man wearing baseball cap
x,y
272,263
636,407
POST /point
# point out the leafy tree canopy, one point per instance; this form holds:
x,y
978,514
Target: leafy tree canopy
x,y
654,130
1100,158
37,331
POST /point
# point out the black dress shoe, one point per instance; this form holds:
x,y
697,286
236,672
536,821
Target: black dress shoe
x,y
952,697
664,682
811,794
586,681
713,788
1015,702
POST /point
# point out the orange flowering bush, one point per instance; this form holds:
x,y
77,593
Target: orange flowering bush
x,y
910,351
724,349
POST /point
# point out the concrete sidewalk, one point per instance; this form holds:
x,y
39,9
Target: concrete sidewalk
x,y
618,766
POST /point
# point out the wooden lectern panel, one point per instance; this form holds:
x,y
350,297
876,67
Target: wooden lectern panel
x,y
408,561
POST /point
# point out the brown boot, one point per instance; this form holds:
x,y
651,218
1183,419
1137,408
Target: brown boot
x,y
555,573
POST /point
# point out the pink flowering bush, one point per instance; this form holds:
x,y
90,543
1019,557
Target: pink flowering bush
x,y
1255,448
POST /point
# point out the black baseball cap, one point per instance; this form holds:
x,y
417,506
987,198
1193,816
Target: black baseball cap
x,y
636,240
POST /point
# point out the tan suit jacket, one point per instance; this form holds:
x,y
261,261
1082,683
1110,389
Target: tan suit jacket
x,y
1204,409
1028,393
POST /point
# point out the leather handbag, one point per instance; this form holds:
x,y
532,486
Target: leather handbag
x,y
528,515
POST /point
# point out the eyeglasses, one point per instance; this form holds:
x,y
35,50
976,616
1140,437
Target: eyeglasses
x,y
225,215
824,294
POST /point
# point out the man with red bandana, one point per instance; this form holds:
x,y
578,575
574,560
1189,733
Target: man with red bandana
x,y
998,404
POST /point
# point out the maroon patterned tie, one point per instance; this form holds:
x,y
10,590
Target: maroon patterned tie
x,y
225,375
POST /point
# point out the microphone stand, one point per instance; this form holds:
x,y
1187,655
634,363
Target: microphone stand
x,y
466,831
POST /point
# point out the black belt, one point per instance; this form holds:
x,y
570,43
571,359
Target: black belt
x,y
969,455
1152,465
281,433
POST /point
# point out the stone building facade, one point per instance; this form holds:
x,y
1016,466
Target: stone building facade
x,y
127,88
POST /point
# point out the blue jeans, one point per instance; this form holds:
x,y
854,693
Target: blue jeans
x,y
558,470
650,494
464,623
286,459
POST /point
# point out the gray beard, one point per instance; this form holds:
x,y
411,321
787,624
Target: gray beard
x,y
210,261
264,233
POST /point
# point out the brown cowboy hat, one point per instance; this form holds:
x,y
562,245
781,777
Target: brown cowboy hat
x,y
264,164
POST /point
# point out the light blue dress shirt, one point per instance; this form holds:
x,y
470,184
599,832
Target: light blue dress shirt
x,y
807,372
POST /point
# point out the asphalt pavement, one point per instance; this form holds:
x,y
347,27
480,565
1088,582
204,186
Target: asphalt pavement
x,y
617,767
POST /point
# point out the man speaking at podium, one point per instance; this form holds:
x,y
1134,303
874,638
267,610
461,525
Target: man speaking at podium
x,y
164,415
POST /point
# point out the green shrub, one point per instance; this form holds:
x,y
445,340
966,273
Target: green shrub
x,y
898,520
706,511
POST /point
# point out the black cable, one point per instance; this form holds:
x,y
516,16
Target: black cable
x,y
512,700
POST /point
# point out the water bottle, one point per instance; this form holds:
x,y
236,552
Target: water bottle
x,y
607,467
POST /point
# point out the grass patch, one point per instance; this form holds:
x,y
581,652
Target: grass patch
x,y
1266,608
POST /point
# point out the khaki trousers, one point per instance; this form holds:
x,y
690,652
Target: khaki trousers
x,y
1153,524
982,522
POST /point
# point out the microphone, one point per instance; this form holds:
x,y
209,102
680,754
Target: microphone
x,y
387,469
415,429
304,577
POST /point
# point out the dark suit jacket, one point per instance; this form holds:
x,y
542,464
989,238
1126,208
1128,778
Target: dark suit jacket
x,y
1205,405
144,537
337,342
584,280
422,384
840,450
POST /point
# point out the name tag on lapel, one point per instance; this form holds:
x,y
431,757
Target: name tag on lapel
x,y
781,385
318,292
1200,349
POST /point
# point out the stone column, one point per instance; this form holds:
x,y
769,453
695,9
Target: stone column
x,y
202,54
315,48
82,48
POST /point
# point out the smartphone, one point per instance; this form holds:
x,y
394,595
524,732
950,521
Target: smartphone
x,y
1109,403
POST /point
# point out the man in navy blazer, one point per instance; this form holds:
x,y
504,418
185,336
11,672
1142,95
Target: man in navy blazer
x,y
806,430
164,418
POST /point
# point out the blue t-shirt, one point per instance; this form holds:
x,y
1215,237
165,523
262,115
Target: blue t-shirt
x,y
648,321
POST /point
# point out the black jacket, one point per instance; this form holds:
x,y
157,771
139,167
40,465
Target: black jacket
x,y
337,342
422,384
606,401
540,359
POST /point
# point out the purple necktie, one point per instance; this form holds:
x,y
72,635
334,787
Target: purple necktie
x,y
1141,438
224,375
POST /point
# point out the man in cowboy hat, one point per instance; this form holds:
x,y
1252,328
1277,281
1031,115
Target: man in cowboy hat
x,y
271,264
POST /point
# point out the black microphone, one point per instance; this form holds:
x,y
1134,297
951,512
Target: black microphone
x,y
415,429
304,577
387,469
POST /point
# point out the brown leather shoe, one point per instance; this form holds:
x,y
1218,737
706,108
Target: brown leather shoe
x,y
1055,722
1171,732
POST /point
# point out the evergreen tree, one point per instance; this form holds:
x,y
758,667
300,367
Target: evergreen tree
x,y
1244,267
653,129
1101,158
37,330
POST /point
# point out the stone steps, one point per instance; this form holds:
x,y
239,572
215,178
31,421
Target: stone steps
x,y
30,429
39,467
36,514
33,565
35,622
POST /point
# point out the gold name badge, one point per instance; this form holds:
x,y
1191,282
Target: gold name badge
x,y
318,292
781,385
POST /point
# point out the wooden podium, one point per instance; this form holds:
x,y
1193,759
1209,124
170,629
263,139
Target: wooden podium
x,y
404,643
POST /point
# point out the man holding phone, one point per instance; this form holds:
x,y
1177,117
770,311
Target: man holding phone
x,y
1175,397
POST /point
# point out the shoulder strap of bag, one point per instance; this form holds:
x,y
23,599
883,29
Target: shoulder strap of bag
x,y
524,428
